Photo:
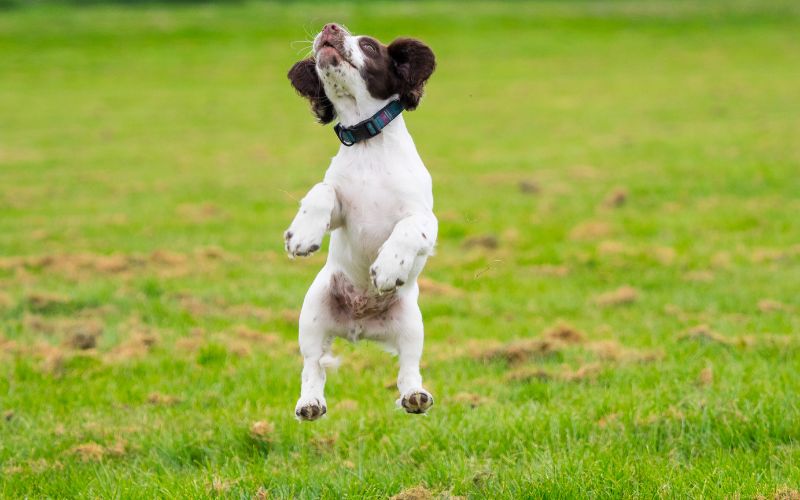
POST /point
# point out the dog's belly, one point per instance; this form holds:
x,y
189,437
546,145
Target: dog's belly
x,y
348,303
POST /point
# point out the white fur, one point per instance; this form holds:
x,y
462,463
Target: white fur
x,y
377,201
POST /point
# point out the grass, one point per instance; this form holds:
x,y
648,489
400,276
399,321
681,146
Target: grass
x,y
623,172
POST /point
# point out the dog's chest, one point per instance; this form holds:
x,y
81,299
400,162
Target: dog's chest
x,y
374,196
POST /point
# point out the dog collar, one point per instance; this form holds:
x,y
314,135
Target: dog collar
x,y
370,127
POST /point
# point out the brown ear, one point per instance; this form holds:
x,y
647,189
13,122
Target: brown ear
x,y
306,82
414,63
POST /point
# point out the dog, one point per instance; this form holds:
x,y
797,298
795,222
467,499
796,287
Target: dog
x,y
376,200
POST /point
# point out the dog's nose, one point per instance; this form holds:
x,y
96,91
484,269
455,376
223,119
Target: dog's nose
x,y
331,28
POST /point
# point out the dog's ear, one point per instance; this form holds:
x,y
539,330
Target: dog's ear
x,y
306,82
413,63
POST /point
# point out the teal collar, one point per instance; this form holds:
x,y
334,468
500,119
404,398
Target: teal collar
x,y
370,127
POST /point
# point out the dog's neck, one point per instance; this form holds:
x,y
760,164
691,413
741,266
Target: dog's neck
x,y
351,112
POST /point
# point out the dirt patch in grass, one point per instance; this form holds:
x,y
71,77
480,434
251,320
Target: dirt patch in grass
x,y
347,405
704,333
529,187
528,373
552,340
521,350
137,346
428,286
564,332
415,493
200,212
616,198
550,270
94,452
612,350
623,295
470,399
45,302
262,431
706,376
324,443
486,241
699,275
159,399
770,306
6,301
590,230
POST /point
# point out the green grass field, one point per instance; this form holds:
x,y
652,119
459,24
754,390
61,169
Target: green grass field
x,y
613,310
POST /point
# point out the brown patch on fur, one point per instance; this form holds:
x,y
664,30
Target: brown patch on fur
x,y
485,241
428,286
345,300
415,493
413,63
157,398
590,230
470,399
616,198
307,83
262,431
621,296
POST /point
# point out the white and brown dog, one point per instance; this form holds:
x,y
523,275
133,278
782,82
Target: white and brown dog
x,y
376,200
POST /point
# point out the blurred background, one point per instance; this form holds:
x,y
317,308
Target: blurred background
x,y
623,171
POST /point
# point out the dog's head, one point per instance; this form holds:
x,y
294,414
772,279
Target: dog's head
x,y
354,75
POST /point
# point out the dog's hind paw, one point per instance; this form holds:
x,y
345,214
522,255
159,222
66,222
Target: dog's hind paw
x,y
416,401
310,410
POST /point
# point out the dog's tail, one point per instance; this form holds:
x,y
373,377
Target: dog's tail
x,y
328,360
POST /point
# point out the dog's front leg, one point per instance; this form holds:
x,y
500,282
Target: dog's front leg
x,y
319,212
411,238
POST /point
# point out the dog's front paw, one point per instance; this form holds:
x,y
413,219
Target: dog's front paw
x,y
310,409
390,270
416,401
304,237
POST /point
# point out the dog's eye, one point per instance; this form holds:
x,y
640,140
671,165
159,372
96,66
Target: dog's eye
x,y
368,47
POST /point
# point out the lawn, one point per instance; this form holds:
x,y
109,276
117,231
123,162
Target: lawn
x,y
613,310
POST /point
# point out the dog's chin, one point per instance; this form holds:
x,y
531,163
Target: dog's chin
x,y
328,56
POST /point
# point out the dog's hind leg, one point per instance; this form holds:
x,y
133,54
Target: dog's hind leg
x,y
409,339
315,344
